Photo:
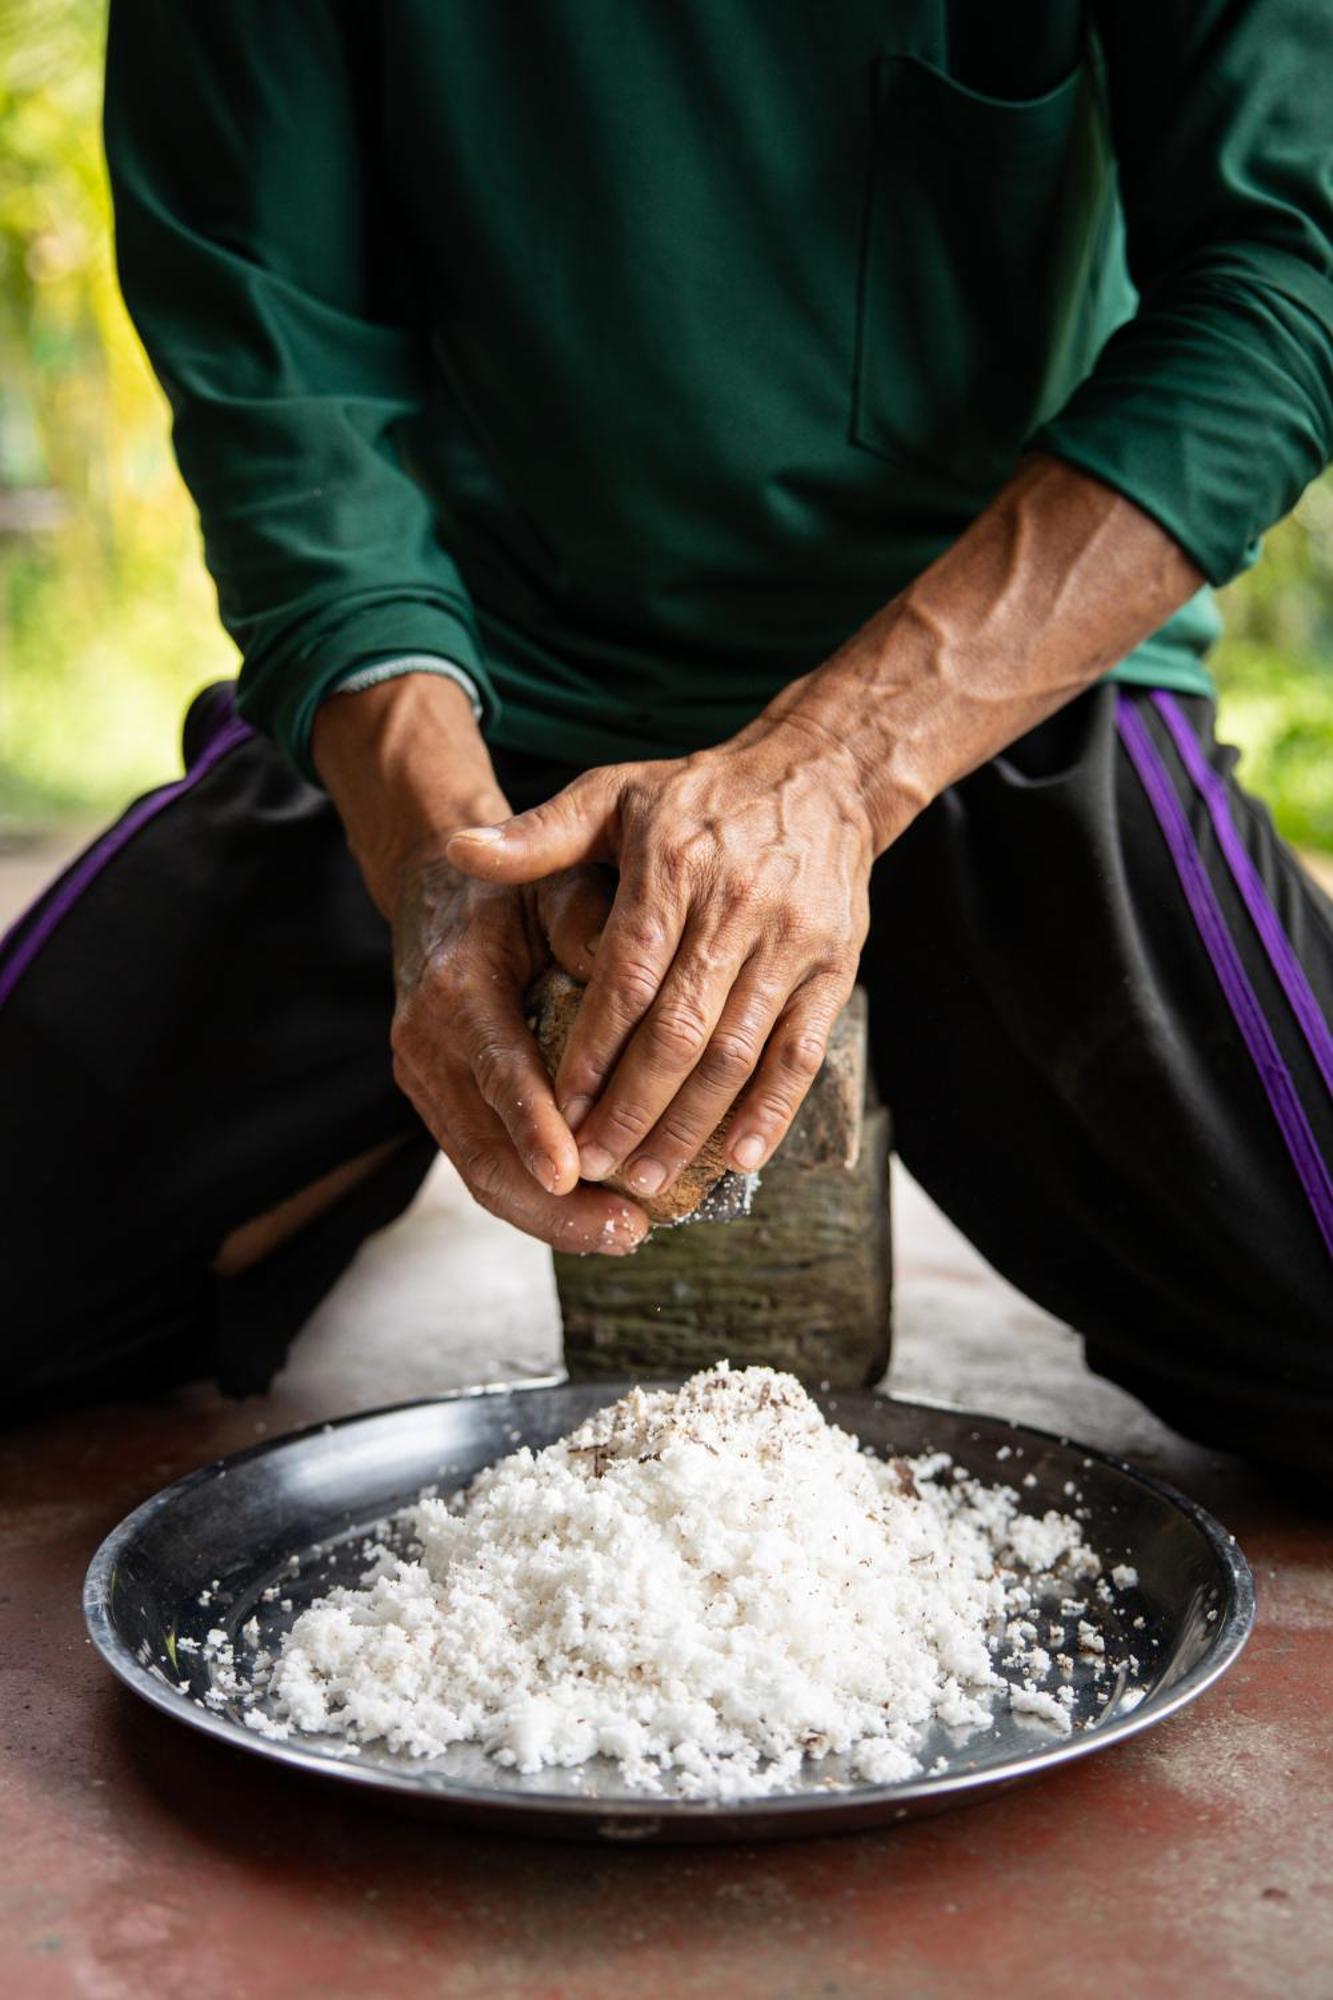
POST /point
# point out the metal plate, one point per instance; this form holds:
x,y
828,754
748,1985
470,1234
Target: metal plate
x,y
290,1515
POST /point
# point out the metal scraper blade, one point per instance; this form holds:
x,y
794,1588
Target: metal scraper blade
x,y
731,1198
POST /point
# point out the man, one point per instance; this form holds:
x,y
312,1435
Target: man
x,y
721,494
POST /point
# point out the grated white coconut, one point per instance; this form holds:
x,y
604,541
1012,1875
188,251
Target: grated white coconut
x,y
707,1586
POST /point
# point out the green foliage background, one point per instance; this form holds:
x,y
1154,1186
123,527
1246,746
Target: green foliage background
x,y
107,619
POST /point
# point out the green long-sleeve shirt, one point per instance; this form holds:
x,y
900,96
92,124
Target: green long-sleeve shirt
x,y
630,353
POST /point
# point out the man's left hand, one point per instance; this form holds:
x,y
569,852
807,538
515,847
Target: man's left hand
x,y
731,946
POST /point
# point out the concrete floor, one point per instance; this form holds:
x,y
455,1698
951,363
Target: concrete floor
x,y
135,1858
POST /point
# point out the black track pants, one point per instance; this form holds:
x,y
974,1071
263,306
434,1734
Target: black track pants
x,y
1100,996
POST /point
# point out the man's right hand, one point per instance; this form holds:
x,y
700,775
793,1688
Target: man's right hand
x,y
405,766
465,953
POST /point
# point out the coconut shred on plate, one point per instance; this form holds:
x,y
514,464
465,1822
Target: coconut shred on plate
x,y
710,1586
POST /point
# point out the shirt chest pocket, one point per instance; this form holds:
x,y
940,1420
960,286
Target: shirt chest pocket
x,y
989,258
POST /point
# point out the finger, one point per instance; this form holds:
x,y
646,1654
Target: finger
x,y
471,1017
472,1136
574,907
663,1052
734,1051
636,951
791,1061
570,828
505,1062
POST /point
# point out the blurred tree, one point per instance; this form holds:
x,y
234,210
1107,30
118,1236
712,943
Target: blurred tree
x,y
107,619
1275,670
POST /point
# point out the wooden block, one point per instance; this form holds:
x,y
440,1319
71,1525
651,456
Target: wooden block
x,y
804,1282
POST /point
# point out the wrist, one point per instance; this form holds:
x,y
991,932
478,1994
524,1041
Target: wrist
x,y
405,766
882,712
1055,581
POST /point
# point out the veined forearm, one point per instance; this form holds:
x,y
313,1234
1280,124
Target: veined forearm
x,y
1055,581
405,765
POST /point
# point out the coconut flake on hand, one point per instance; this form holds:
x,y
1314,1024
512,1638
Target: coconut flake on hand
x,y
711,1586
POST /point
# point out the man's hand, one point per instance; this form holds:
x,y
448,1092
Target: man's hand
x,y
405,766
465,954
742,903
732,945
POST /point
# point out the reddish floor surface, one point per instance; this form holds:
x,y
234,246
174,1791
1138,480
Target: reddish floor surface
x,y
139,1859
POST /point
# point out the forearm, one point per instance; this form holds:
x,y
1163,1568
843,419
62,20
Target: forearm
x,y
405,765
1055,581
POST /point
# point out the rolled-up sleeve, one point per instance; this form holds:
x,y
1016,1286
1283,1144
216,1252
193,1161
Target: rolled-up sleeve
x,y
1212,407
260,269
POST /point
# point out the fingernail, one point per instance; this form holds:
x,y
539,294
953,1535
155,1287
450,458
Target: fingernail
x,y
545,1170
625,1232
575,1111
748,1152
591,946
487,833
646,1175
595,1163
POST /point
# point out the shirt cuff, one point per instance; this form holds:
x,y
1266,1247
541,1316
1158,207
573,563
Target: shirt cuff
x,y
369,674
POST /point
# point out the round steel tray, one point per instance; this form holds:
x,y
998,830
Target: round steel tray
x,y
261,1534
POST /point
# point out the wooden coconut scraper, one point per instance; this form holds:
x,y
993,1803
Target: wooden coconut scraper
x,y
825,1132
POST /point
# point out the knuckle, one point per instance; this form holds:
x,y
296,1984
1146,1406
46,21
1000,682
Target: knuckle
x,y
483,1170
444,972
720,944
621,1124
409,1031
731,1056
676,858
492,1063
641,935
677,1035
819,942
682,1132
775,1106
548,814
844,960
434,997
801,1054
633,987
449,963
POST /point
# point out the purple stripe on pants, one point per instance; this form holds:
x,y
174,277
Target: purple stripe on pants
x,y
1288,968
25,940
1311,1167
